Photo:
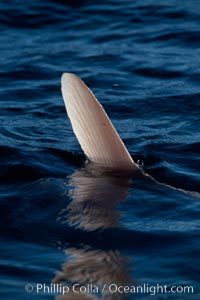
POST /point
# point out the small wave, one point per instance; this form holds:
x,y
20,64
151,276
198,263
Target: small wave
x,y
187,39
158,73
22,166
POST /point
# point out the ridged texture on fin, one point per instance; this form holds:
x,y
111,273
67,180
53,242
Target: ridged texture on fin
x,y
92,127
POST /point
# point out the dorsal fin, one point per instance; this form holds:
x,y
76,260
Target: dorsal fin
x,y
97,136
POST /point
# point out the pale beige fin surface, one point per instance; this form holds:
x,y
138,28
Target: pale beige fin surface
x,y
98,138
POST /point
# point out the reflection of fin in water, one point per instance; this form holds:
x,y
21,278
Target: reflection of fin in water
x,y
92,127
93,206
94,199
96,267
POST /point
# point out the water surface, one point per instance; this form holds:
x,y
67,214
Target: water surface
x,y
62,221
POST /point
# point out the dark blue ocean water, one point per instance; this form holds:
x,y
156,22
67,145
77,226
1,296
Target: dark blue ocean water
x,y
62,221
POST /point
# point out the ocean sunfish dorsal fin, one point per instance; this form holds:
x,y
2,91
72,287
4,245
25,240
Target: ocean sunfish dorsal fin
x,y
97,136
